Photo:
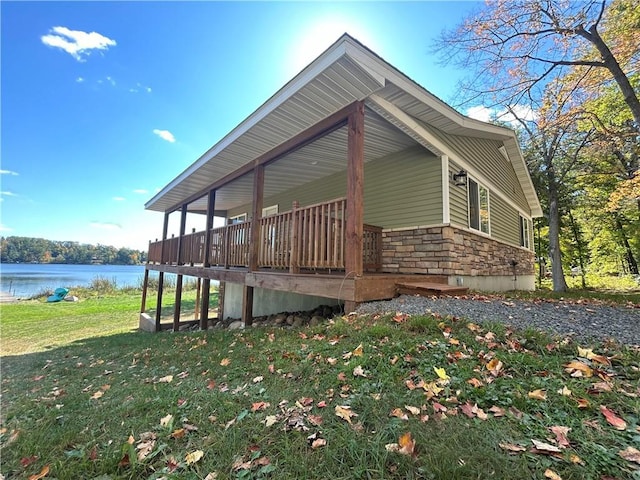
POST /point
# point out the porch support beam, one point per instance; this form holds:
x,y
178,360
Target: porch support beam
x,y
178,302
323,127
165,229
206,262
254,245
355,192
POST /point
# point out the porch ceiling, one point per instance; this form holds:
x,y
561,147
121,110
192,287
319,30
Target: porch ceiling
x,y
321,158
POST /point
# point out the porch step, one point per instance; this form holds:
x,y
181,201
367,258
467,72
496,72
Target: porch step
x,y
429,288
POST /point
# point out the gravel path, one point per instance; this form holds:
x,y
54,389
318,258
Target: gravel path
x,y
586,321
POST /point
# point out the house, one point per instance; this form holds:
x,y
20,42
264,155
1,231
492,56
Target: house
x,y
350,181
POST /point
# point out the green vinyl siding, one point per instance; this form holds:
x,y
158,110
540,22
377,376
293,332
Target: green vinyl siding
x,y
505,221
457,199
484,155
401,190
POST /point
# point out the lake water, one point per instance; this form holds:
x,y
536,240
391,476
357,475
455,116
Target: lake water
x,y
25,279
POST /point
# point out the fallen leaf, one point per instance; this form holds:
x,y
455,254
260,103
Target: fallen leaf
x,y
550,474
270,420
193,457
165,421
475,382
613,419
258,379
412,410
321,404
512,447
224,362
259,406
400,317
178,433
358,351
543,447
467,409
494,366
407,444
561,435
97,395
399,413
497,411
359,372
166,379
630,454
26,461
211,476
431,390
538,394
345,412
564,391
43,473
578,369
582,402
318,442
442,374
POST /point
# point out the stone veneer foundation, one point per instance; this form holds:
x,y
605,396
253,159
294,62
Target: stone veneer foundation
x,y
452,251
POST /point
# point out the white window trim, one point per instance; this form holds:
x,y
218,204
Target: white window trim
x,y
480,185
525,240
239,218
271,210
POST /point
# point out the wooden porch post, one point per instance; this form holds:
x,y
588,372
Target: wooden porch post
x,y
294,261
165,229
355,192
179,261
206,262
254,244
355,197
145,284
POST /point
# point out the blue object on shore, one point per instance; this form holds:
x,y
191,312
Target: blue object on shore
x,y
58,295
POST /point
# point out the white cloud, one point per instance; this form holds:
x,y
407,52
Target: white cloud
x,y
141,191
105,225
8,194
8,172
76,43
480,113
4,228
119,199
503,115
165,135
79,80
522,112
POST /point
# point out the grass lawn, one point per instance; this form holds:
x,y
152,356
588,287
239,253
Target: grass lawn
x,y
389,397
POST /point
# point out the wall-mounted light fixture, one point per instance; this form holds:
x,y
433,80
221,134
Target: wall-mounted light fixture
x,y
460,178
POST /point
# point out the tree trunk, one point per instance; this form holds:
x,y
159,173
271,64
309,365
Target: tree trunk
x,y
611,64
628,252
578,240
557,272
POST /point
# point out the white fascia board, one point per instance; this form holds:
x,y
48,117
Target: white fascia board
x,y
380,68
408,122
288,90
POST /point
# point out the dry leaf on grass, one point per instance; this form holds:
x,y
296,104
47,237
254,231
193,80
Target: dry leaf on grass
x,y
613,419
166,379
561,435
405,446
631,454
193,457
538,394
43,473
345,412
550,474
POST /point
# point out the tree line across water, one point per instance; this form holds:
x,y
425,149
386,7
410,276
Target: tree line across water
x,y
40,250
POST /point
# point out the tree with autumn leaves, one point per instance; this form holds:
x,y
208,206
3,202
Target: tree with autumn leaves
x,y
565,75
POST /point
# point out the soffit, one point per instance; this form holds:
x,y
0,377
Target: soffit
x,y
323,157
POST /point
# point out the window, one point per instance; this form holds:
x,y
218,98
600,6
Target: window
x,y
272,210
478,207
525,233
238,219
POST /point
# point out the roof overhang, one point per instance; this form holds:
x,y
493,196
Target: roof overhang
x,y
346,72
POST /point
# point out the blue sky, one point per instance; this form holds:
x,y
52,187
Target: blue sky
x,y
104,103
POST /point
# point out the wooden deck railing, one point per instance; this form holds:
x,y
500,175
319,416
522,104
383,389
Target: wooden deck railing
x,y
311,237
